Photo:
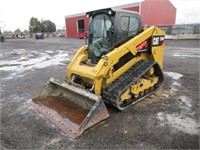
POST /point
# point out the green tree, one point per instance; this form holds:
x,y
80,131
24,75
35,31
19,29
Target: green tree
x,y
44,26
26,32
34,25
17,31
48,26
41,26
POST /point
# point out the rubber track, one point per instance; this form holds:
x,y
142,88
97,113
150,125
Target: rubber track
x,y
112,93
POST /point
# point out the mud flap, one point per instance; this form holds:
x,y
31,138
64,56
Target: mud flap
x,y
71,108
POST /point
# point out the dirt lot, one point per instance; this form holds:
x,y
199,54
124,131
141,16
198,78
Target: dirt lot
x,y
168,119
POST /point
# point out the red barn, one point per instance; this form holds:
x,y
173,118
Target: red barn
x,y
157,12
76,24
153,12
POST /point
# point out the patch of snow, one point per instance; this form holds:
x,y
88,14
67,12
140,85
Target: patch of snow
x,y
173,75
187,125
184,55
176,83
184,124
168,92
185,100
53,141
192,50
183,120
43,60
160,116
49,52
19,51
24,106
185,103
2,62
173,90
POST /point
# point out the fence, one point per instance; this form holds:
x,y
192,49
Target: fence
x,y
181,29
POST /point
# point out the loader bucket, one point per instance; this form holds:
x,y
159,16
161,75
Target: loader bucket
x,y
71,108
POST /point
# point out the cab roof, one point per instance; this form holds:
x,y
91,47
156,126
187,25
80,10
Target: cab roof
x,y
112,11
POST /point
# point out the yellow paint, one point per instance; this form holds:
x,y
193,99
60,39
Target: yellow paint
x,y
103,73
143,84
126,95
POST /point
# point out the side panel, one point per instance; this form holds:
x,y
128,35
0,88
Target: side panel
x,y
71,25
158,12
158,42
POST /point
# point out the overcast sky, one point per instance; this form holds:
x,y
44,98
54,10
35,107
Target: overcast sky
x,y
17,13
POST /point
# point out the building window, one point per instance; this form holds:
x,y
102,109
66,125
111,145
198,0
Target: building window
x,y
81,26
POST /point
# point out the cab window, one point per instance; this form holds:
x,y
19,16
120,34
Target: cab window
x,y
128,27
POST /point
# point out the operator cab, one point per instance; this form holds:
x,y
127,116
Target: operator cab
x,y
110,28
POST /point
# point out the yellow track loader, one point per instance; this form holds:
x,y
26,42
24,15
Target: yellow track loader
x,y
120,65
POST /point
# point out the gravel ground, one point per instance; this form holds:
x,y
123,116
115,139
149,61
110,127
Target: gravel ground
x,y
168,119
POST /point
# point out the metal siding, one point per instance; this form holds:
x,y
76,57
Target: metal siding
x,y
71,25
158,12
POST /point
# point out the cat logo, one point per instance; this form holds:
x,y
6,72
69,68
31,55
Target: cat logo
x,y
158,40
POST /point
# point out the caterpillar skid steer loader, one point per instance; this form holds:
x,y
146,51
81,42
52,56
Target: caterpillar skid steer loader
x,y
120,65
